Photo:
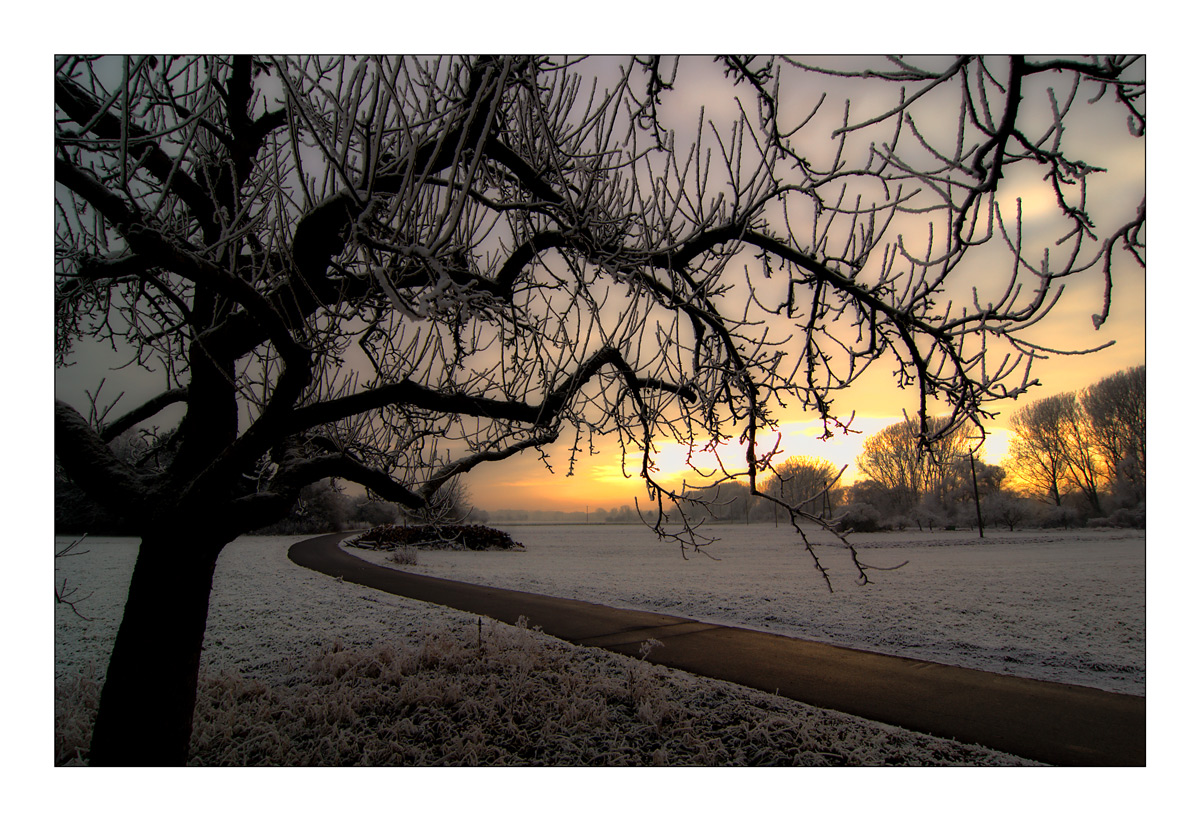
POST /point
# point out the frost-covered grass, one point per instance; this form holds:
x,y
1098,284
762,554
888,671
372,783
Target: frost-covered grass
x,y
1065,606
514,698
299,668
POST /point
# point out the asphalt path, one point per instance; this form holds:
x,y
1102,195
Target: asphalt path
x,y
1053,723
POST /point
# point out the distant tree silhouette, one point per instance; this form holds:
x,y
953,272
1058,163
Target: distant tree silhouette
x,y
1053,451
808,483
913,470
1088,443
1037,454
1081,455
1116,409
625,513
729,501
392,270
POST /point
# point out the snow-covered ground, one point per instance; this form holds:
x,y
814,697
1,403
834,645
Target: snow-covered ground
x,y
1066,606
276,630
1059,606
266,615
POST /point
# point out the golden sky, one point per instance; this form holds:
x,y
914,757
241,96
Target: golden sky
x,y
598,481
524,482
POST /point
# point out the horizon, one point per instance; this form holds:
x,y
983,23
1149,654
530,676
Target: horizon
x,y
523,482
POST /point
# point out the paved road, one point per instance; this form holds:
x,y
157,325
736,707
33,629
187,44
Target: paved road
x,y
1054,723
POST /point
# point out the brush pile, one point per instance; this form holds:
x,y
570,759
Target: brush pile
x,y
435,537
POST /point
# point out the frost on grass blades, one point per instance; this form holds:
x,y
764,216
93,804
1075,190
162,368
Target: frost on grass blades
x,y
1064,606
299,669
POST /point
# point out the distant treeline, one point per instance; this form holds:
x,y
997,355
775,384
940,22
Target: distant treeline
x,y
599,515
322,508
1075,459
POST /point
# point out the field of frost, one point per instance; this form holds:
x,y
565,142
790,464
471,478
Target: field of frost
x,y
1065,606
301,669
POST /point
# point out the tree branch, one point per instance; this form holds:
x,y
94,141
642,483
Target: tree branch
x,y
84,183
163,400
107,126
296,475
411,394
466,463
90,464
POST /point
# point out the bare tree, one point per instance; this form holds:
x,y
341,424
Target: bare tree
x,y
911,468
1053,451
1090,442
1036,457
1083,460
1116,410
806,482
391,270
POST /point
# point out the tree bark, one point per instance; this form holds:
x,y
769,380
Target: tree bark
x,y
149,694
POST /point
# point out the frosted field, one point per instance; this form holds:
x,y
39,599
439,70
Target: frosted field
x,y
280,637
266,615
1066,606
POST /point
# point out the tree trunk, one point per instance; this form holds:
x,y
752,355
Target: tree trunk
x,y
149,694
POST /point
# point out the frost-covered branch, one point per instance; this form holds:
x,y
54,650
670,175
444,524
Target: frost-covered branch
x,y
63,593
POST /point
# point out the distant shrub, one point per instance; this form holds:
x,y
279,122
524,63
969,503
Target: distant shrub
x,y
966,518
1124,517
898,522
436,537
373,511
859,517
1059,516
288,527
928,516
1129,517
1006,509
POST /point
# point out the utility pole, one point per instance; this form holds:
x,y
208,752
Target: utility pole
x,y
975,484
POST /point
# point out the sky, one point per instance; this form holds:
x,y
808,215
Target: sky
x,y
599,480
525,482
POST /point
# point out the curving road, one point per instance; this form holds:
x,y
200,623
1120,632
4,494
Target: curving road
x,y
1053,723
